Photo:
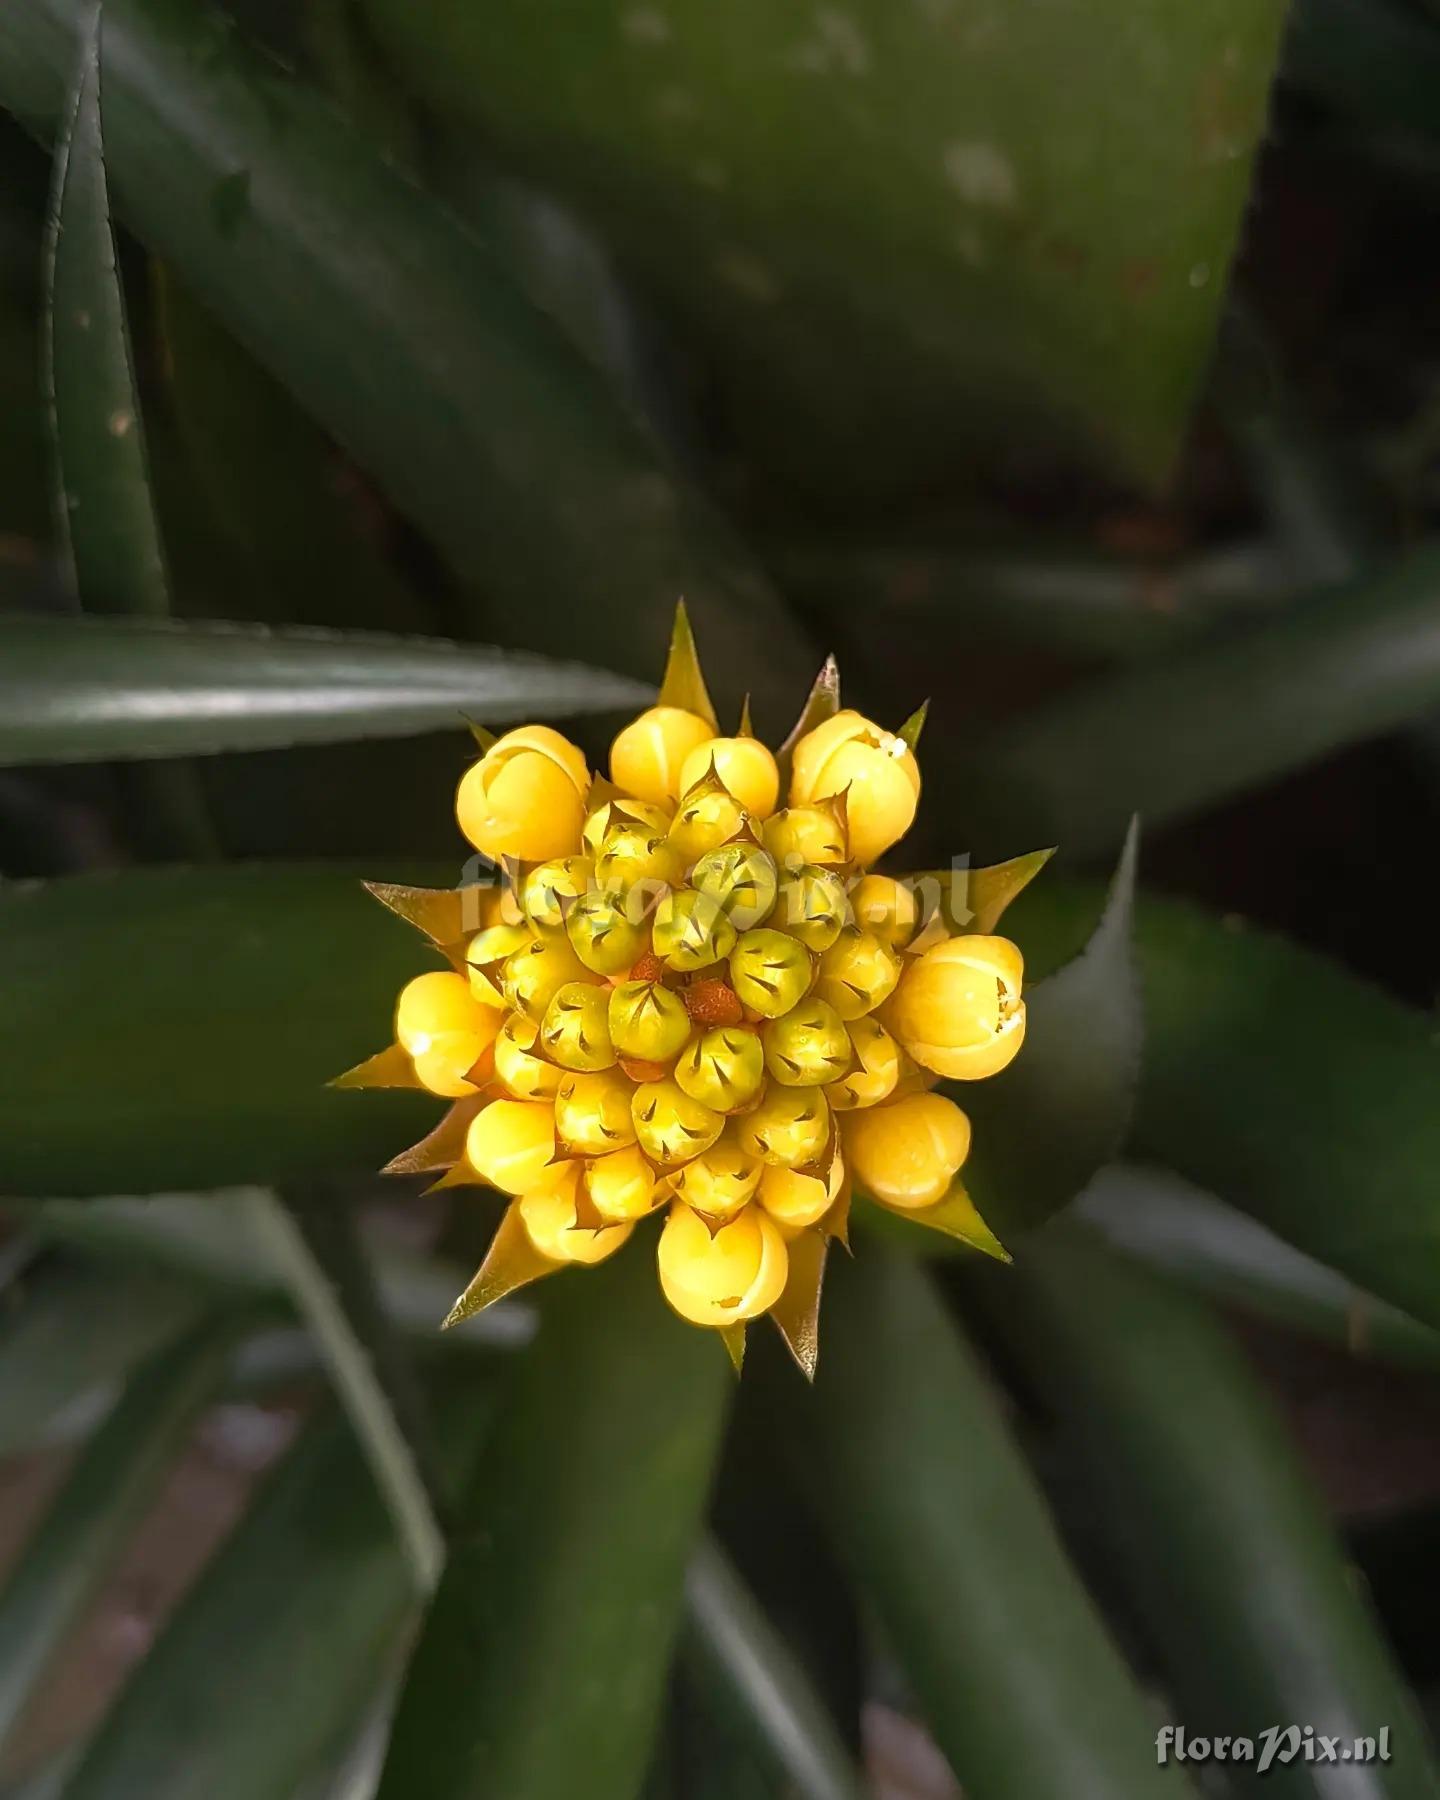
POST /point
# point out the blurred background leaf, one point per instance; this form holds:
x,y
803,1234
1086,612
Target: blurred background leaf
x,y
103,502
736,1648
1216,1251
1179,735
315,1246
911,1468
79,1331
1280,1082
114,1481
903,223
1229,1559
278,1651
570,1557
105,516
308,965
407,339
78,690
1084,1033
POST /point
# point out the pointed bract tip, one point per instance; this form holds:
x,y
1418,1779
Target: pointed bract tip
x,y
486,740
684,681
909,732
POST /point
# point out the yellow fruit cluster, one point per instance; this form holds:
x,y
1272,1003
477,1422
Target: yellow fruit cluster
x,y
694,1001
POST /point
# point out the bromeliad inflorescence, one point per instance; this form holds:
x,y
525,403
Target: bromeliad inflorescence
x,y
683,997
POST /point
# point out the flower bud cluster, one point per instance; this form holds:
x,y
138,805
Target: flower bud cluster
x,y
700,1004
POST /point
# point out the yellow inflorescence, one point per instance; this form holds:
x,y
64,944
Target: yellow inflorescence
x,y
696,1001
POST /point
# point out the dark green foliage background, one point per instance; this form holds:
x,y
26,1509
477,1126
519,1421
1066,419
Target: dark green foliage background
x,y
371,367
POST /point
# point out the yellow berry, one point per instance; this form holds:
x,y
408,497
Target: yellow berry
x,y
857,973
723,1068
548,891
795,1200
511,1144
742,878
622,1185
548,1216
726,1278
592,1113
432,1006
874,1069
742,765
875,770
790,1127
445,1067
648,755
812,906
575,1031
655,820
670,1125
709,816
484,954
445,1030
691,930
720,1181
607,930
886,908
808,1046
632,854
525,798
802,835
648,1022
907,1154
770,972
958,1009
531,976
524,1073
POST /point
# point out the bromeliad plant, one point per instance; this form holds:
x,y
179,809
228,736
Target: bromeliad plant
x,y
689,992
686,998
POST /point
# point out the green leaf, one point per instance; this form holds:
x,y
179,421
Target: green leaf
x,y
541,1668
980,256
86,690
1069,597
1221,1536
208,1239
1210,1248
1061,1110
104,1497
104,506
1172,737
912,1468
1283,1085
407,339
313,1581
217,1004
73,1332
319,1256
300,543
739,1650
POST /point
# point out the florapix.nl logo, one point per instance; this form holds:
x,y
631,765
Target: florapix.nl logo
x,y
1275,1746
